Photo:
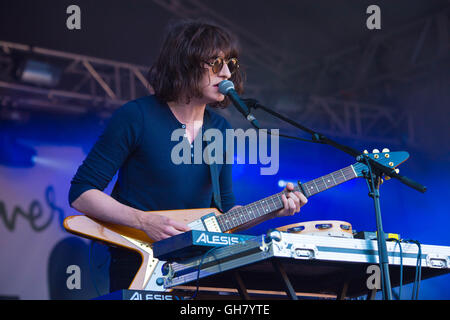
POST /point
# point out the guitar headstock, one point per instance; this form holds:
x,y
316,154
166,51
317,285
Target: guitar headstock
x,y
385,158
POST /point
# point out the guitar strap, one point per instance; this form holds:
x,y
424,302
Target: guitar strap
x,y
216,200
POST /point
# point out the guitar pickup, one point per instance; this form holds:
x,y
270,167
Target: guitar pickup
x,y
210,223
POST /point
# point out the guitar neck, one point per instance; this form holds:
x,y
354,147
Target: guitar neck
x,y
241,215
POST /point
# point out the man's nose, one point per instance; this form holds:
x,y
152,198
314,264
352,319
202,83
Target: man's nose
x,y
225,72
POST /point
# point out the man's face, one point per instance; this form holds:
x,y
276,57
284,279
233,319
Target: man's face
x,y
211,80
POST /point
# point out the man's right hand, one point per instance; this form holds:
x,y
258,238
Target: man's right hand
x,y
101,206
159,227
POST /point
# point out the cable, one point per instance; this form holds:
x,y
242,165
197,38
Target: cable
x,y
198,270
418,269
401,266
418,275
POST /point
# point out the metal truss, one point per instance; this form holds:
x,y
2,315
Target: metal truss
x,y
257,50
392,55
387,55
333,117
333,85
99,85
358,120
87,83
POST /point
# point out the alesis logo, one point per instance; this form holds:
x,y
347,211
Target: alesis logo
x,y
153,296
217,240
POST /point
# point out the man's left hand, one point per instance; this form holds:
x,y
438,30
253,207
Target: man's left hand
x,y
292,200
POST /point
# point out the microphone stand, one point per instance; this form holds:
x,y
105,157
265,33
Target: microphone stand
x,y
373,179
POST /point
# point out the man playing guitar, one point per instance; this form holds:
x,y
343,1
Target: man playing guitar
x,y
195,57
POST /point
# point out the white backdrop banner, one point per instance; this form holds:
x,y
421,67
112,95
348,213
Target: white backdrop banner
x,y
39,259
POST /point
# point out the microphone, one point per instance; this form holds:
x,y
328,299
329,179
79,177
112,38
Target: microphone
x,y
226,87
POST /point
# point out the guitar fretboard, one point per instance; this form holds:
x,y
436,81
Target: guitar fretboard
x,y
255,210
328,181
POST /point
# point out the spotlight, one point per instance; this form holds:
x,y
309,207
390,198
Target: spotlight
x,y
15,154
54,164
282,183
38,73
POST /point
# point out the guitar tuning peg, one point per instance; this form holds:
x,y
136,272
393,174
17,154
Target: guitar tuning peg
x,y
385,150
387,177
375,151
366,152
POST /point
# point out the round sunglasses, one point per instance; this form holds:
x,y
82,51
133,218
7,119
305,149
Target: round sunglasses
x,y
217,64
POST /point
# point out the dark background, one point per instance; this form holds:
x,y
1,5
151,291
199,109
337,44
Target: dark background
x,y
313,61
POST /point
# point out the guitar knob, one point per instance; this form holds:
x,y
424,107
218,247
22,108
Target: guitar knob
x,y
366,152
375,151
397,170
385,150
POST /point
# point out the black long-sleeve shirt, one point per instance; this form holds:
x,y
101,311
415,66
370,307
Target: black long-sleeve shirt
x,y
137,143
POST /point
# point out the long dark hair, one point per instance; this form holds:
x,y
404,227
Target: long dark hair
x,y
179,68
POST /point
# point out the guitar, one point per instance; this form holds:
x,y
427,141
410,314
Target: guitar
x,y
149,274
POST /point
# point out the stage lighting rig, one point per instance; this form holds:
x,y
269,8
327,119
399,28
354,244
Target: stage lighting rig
x,y
37,72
